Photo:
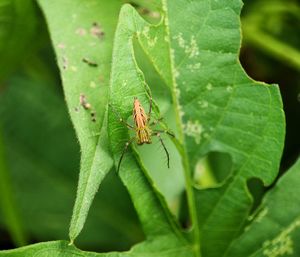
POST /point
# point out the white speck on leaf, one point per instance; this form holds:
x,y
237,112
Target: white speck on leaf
x,y
181,112
193,49
151,41
146,31
282,244
190,48
180,40
194,67
193,129
177,92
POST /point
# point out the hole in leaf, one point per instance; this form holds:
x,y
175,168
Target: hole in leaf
x,y
257,191
212,170
183,216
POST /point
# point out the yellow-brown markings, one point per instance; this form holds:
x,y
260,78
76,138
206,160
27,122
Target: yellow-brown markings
x,y
143,132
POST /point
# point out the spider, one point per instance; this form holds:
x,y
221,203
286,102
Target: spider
x,y
142,129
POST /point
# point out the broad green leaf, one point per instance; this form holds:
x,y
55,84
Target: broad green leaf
x,y
36,162
223,110
218,109
275,228
84,31
62,249
18,25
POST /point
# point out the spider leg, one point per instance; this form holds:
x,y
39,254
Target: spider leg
x,y
120,118
150,102
164,131
163,144
156,121
123,153
167,131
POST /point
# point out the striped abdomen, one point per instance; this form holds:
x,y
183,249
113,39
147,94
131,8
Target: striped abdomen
x,y
141,123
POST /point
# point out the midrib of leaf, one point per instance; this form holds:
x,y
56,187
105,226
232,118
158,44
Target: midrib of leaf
x,y
181,146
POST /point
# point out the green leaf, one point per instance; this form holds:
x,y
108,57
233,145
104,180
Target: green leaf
x,y
275,227
86,35
62,248
218,109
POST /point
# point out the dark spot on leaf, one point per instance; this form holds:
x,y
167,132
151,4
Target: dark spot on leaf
x,y
90,63
97,31
65,62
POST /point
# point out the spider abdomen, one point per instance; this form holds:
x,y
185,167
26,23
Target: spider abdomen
x,y
143,135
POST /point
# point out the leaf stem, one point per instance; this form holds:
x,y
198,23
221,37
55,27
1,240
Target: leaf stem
x,y
180,145
190,196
